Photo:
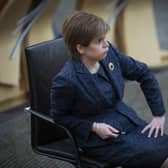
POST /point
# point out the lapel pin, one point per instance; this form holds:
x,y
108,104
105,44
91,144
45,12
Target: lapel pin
x,y
111,66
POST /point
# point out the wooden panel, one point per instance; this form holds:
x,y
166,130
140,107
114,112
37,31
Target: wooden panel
x,y
11,96
164,56
140,36
13,102
8,92
10,69
2,4
42,29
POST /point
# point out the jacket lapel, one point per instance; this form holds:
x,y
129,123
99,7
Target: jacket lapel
x,y
111,72
85,78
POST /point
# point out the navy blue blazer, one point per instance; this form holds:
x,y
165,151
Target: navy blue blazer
x,y
76,102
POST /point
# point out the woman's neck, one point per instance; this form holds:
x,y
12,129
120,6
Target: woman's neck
x,y
91,65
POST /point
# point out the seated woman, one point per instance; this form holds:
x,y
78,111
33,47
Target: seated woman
x,y
86,97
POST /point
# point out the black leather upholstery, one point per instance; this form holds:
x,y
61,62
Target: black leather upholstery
x,y
44,61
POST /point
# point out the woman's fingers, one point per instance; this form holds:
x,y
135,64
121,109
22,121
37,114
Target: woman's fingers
x,y
114,135
162,130
112,132
154,128
146,128
156,125
150,128
105,131
151,131
156,132
108,133
113,129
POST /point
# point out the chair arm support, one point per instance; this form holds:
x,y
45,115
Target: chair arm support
x,y
49,119
38,114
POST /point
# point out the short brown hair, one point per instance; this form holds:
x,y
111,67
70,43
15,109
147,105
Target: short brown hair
x,y
81,28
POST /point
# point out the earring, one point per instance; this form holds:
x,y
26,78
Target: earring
x,y
111,66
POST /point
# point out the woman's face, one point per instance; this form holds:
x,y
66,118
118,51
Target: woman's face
x,y
97,49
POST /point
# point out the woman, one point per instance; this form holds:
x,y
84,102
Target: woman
x,y
86,97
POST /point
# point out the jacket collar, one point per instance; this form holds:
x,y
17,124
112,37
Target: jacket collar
x,y
112,73
80,67
85,77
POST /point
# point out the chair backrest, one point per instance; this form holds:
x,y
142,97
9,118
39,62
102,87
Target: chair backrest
x,y
44,60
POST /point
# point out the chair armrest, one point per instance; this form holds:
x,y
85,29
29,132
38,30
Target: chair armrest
x,y
38,114
49,119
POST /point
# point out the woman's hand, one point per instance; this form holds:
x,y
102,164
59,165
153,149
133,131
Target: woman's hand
x,y
157,124
104,130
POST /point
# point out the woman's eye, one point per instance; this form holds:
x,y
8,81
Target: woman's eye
x,y
100,40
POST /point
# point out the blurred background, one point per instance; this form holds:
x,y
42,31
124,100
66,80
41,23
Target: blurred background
x,y
138,28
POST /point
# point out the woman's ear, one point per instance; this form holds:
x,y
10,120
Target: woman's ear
x,y
80,49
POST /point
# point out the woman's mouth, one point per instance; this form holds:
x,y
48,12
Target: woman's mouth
x,y
105,52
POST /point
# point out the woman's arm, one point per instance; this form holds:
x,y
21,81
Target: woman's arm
x,y
62,97
140,72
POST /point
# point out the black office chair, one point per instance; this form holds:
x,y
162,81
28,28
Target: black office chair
x,y
48,138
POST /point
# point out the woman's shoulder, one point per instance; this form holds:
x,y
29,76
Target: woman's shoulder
x,y
66,72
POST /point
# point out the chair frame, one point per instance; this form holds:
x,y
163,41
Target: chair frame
x,y
77,161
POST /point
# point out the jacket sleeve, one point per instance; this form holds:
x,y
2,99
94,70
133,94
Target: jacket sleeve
x,y
135,70
61,100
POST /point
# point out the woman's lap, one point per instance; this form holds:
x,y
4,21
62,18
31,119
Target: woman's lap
x,y
133,150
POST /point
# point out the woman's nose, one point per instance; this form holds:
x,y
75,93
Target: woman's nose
x,y
105,44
